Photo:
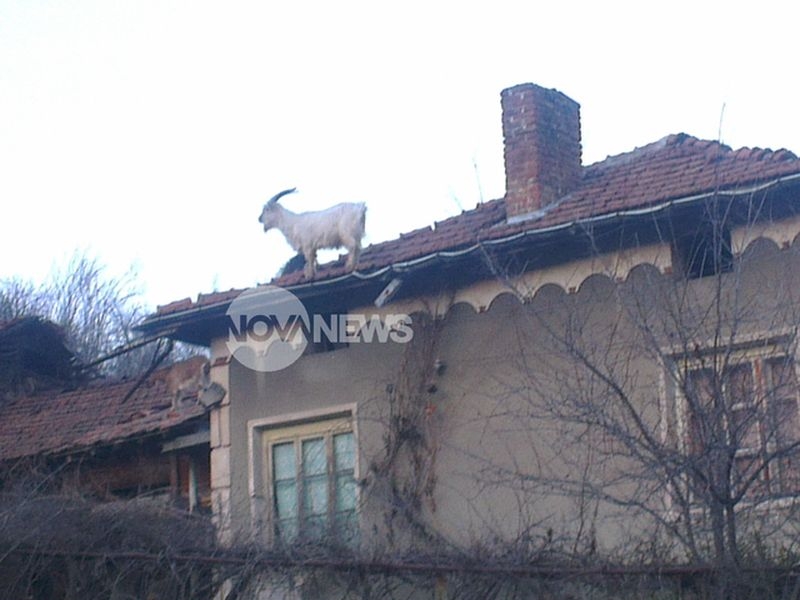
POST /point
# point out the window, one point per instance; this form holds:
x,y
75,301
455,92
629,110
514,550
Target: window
x,y
704,251
750,407
313,483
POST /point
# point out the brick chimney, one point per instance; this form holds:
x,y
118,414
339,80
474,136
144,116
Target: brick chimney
x,y
542,135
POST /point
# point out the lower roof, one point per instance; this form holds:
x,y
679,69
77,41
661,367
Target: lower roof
x,y
96,415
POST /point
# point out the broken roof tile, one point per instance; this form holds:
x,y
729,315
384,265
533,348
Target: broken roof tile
x,y
55,422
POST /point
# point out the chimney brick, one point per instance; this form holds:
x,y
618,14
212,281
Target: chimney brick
x,y
542,152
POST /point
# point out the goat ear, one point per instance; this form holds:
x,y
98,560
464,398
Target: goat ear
x,y
280,195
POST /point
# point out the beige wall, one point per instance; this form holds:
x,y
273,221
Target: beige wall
x,y
497,453
344,379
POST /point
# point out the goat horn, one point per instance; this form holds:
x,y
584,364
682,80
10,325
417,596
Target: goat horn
x,y
280,195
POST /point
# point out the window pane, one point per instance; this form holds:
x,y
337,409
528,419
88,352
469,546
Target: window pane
x,y
314,459
283,461
699,397
782,380
785,426
344,451
739,385
286,499
315,495
286,529
345,492
314,527
790,474
744,474
744,428
700,387
782,403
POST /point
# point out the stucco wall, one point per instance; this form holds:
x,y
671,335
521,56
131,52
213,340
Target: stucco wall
x,y
496,457
349,376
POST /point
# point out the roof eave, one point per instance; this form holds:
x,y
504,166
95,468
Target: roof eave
x,y
173,322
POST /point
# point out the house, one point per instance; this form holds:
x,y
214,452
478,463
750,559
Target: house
x,y
603,359
112,439
90,468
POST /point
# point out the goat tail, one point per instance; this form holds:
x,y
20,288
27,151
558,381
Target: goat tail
x,y
280,195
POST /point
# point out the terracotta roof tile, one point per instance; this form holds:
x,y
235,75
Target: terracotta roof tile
x,y
202,300
676,166
175,306
54,422
215,297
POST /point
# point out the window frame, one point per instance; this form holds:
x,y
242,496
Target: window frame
x,y
758,354
298,436
265,433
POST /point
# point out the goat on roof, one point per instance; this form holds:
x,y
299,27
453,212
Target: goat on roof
x,y
334,227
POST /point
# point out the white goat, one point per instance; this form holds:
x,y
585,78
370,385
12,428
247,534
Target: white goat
x,y
334,227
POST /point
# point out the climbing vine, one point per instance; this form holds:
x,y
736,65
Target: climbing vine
x,y
406,467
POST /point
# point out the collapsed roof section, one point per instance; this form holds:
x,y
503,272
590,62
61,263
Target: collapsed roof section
x,y
102,414
34,355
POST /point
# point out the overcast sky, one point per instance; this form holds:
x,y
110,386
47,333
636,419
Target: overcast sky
x,y
151,132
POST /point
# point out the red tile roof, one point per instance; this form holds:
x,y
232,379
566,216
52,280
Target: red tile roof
x,y
48,423
678,166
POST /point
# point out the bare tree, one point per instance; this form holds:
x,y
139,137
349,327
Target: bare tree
x,y
672,398
18,298
96,310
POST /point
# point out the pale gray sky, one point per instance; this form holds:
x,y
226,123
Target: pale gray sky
x,y
152,131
